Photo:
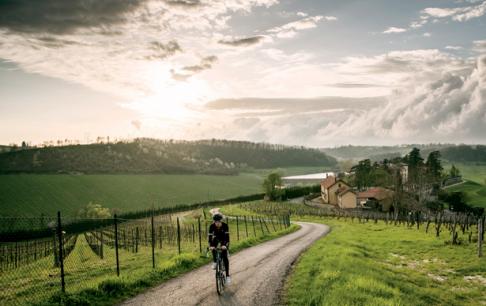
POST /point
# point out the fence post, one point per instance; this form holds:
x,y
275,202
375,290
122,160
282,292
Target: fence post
x,y
199,231
61,255
253,222
261,225
237,229
101,244
153,239
178,236
246,227
480,237
116,246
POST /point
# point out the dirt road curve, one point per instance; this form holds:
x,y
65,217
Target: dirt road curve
x,y
257,275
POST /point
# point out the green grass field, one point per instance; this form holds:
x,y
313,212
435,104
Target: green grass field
x,y
475,185
378,264
31,195
36,194
476,193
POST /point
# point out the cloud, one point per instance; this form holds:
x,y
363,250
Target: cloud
x,y
460,14
125,48
188,71
450,106
137,124
353,85
427,34
290,29
243,42
61,17
184,3
161,51
302,14
436,97
479,46
454,47
394,30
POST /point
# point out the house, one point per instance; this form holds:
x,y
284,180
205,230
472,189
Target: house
x,y
376,197
347,199
330,188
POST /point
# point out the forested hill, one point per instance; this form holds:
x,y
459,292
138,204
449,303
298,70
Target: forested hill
x,y
159,156
450,152
465,153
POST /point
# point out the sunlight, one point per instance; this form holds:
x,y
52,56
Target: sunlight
x,y
171,100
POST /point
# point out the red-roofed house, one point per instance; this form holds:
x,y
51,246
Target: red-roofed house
x,y
330,188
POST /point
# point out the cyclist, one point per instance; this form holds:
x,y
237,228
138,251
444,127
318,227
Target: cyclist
x,y
219,233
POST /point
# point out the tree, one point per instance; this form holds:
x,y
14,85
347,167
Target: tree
x,y
272,186
434,166
455,200
363,174
94,211
454,172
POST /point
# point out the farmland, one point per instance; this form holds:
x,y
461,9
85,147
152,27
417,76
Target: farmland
x,y
36,194
32,195
90,258
376,264
366,262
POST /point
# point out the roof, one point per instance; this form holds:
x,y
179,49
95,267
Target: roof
x,y
343,192
378,193
328,182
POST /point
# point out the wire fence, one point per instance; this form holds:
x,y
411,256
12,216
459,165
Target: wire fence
x,y
33,270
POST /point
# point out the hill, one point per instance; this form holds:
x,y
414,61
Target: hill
x,y
159,156
376,153
449,152
465,153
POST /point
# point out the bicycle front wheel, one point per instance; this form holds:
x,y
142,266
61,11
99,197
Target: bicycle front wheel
x,y
219,283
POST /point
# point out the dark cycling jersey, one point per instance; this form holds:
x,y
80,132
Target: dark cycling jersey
x,y
218,235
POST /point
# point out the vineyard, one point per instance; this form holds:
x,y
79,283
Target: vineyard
x,y
33,271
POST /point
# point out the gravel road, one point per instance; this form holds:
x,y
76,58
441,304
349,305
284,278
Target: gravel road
x,y
257,274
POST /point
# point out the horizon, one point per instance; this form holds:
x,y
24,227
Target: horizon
x,y
307,73
113,140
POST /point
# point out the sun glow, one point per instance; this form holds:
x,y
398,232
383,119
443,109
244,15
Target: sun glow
x,y
170,100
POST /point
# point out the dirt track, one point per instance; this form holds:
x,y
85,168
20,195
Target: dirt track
x,y
257,275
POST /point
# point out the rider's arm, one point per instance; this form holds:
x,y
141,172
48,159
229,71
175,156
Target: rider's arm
x,y
210,234
226,234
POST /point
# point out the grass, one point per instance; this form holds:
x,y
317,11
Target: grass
x,y
475,185
35,194
378,264
91,280
32,195
475,192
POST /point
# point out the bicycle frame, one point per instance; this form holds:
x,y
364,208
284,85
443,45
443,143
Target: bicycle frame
x,y
220,272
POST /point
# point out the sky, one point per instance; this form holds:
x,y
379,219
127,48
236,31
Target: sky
x,y
297,72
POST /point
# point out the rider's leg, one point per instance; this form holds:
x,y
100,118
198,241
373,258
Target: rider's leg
x,y
224,254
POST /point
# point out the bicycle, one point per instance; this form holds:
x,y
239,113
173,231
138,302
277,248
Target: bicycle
x,y
220,272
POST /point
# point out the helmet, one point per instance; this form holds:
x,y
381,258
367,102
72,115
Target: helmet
x,y
217,217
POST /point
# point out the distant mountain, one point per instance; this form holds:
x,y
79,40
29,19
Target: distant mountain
x,y
159,156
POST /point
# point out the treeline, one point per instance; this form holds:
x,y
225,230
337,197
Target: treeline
x,y
450,152
465,153
160,156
